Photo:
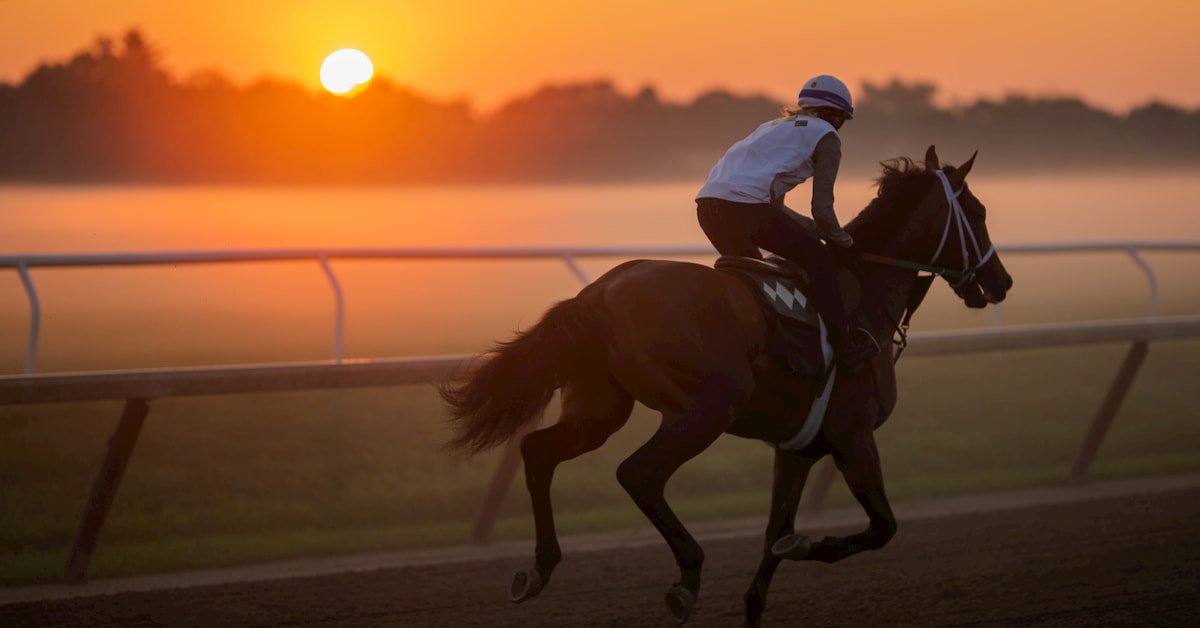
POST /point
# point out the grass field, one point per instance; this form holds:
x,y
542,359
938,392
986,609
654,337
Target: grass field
x,y
229,480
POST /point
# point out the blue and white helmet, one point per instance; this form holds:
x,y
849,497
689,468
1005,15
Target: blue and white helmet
x,y
826,91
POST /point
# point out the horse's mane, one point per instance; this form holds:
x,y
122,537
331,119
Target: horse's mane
x,y
900,185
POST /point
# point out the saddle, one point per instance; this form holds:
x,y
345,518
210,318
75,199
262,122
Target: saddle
x,y
783,290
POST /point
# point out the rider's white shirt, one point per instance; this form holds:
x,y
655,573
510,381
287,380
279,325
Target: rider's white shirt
x,y
769,162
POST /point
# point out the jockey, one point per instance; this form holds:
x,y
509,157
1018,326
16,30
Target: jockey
x,y
741,207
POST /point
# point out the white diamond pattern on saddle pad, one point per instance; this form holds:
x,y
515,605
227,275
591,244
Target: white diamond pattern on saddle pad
x,y
788,295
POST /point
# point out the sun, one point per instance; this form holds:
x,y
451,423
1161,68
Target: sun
x,y
345,72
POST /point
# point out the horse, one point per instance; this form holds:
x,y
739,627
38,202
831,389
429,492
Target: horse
x,y
690,341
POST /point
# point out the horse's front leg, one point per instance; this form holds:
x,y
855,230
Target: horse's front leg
x,y
858,461
791,471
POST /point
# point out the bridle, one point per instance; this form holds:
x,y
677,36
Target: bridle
x,y
956,217
958,279
965,232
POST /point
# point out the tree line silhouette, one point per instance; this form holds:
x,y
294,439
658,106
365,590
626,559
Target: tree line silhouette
x,y
112,113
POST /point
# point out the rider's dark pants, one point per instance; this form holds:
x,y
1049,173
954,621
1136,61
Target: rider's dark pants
x,y
744,228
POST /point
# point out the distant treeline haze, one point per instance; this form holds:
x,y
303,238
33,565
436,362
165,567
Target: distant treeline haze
x,y
113,113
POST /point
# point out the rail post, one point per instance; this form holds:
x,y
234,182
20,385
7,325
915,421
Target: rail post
x,y
1151,279
1108,409
822,481
120,448
576,268
35,316
339,308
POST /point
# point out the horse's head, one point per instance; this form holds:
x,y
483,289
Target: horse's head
x,y
960,242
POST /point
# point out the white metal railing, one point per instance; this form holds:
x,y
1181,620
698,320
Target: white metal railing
x,y
568,255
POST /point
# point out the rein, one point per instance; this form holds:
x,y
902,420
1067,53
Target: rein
x,y
956,278
940,271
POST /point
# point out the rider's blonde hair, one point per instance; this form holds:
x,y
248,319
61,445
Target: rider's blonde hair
x,y
815,112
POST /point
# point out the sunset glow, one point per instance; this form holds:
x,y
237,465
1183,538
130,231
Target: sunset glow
x,y
490,52
345,72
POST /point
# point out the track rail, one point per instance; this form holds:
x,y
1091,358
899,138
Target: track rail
x,y
22,263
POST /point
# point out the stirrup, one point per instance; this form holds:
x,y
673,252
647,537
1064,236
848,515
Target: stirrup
x,y
855,355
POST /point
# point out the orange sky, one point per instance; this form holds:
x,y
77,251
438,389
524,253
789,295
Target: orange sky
x,y
1114,54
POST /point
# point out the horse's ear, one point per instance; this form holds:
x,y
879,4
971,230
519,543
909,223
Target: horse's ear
x,y
960,174
931,160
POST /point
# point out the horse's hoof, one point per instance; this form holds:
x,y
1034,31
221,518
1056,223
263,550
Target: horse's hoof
x,y
680,601
525,584
792,547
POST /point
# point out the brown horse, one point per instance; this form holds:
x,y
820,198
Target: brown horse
x,y
690,342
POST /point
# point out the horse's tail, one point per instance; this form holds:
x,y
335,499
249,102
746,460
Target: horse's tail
x,y
518,378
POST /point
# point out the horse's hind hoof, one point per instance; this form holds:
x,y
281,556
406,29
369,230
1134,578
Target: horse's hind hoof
x,y
792,547
680,601
525,584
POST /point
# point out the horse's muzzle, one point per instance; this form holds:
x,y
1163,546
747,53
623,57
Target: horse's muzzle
x,y
973,295
993,282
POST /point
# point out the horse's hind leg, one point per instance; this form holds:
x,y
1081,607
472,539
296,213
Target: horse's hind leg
x,y
791,471
591,412
644,475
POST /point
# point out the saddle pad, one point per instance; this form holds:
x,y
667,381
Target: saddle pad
x,y
793,325
797,335
785,291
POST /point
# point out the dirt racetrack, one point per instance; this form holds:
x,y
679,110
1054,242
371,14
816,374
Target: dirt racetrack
x,y
1133,560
